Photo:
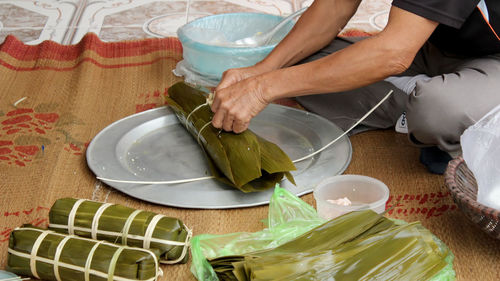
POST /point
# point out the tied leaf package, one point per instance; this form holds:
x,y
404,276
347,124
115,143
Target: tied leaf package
x,y
244,161
122,225
361,245
48,255
481,151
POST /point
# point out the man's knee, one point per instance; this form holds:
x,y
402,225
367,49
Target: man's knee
x,y
434,118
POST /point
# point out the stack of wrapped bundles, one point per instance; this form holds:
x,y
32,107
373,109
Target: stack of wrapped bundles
x,y
360,245
48,255
122,225
245,161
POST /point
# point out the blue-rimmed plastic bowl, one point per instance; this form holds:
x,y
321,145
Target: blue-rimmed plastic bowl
x,y
206,41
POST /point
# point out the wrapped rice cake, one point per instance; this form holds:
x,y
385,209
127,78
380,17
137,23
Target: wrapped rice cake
x,y
245,161
122,225
47,255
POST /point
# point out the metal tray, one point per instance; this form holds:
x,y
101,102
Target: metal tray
x,y
153,146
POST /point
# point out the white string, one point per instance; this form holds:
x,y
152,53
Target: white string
x,y
88,262
112,263
294,161
348,130
202,128
126,226
157,182
18,102
193,111
79,268
71,216
149,231
107,195
97,216
118,234
184,250
208,102
57,255
34,251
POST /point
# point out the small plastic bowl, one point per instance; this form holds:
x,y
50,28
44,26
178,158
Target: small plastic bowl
x,y
364,193
209,56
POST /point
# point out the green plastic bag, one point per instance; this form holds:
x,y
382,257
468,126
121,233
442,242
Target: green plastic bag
x,y
289,217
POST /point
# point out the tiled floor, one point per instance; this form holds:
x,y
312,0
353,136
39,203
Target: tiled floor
x,y
67,21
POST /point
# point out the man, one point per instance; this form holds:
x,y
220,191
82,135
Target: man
x,y
441,57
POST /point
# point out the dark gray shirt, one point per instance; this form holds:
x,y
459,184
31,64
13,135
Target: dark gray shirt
x,y
466,27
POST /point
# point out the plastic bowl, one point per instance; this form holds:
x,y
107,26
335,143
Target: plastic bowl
x,y
206,41
364,193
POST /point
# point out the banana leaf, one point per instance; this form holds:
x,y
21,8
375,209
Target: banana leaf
x,y
245,161
360,245
400,253
64,257
169,236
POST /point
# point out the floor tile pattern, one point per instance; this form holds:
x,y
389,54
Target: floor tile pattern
x,y
67,21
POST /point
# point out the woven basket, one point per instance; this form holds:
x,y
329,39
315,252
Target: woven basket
x,y
463,188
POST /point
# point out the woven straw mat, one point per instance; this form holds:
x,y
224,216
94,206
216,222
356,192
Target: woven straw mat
x,y
73,92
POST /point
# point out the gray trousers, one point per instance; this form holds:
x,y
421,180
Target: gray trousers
x,y
459,92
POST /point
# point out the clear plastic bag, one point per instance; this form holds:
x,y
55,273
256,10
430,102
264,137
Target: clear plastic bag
x,y
183,69
481,151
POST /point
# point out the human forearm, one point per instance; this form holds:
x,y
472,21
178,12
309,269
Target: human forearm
x,y
360,64
322,21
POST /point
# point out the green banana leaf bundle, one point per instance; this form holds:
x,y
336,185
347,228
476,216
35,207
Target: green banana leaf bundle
x,y
122,225
48,255
245,161
356,246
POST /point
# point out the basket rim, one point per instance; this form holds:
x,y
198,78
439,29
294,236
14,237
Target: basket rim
x,y
457,193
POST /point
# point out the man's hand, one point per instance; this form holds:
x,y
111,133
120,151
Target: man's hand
x,y
235,105
236,90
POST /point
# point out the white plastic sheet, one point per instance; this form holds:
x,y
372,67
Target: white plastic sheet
x,y
183,69
481,151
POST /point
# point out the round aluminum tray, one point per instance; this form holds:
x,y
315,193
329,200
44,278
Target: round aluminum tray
x,y
153,146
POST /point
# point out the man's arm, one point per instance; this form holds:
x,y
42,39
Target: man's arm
x,y
317,27
388,53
